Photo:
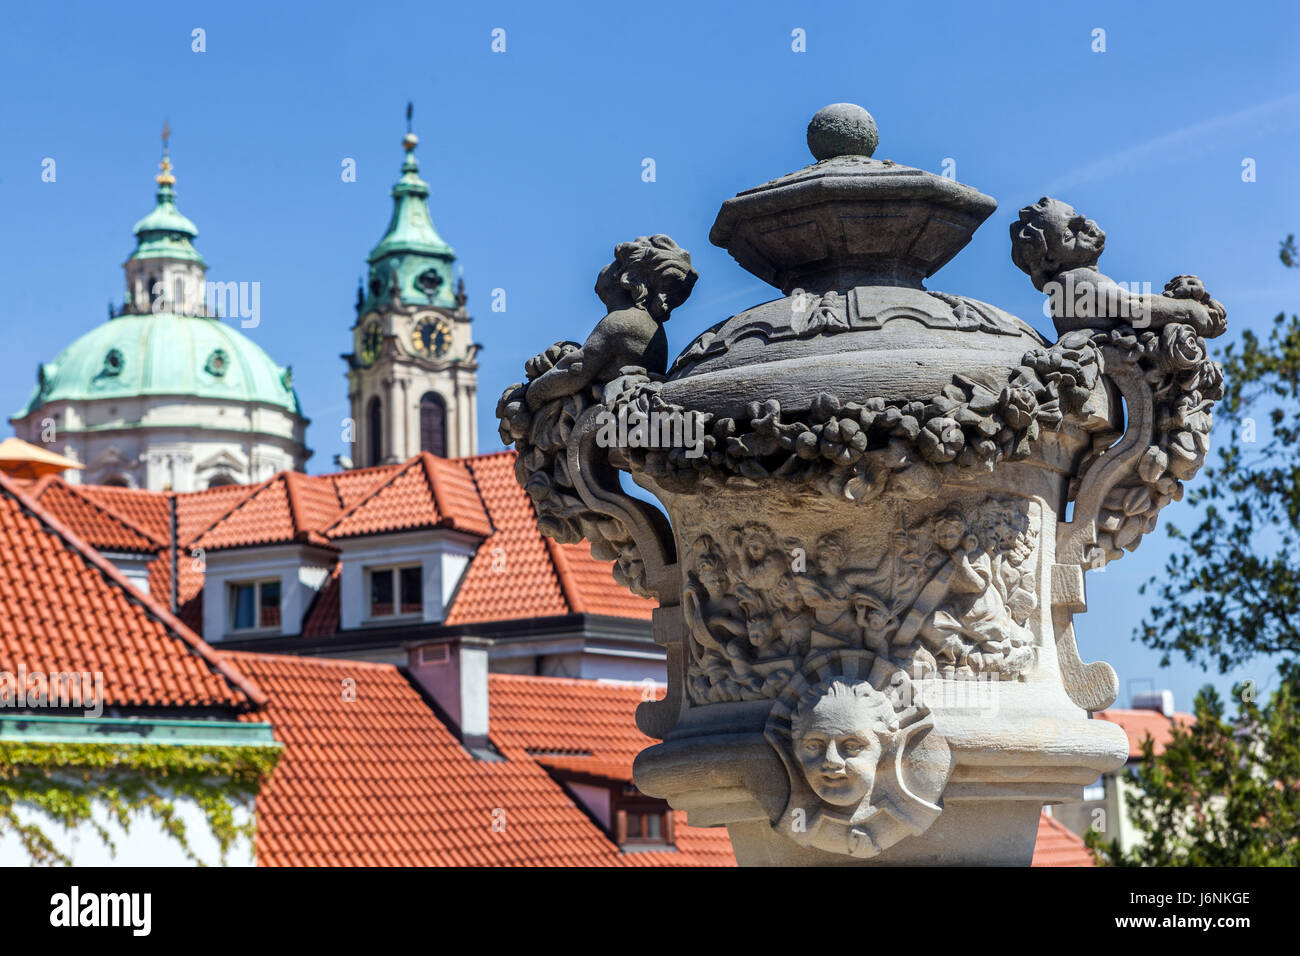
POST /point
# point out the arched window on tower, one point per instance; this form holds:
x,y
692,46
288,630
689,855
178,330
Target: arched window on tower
x,y
375,431
433,424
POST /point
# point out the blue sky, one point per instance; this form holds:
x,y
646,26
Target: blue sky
x,y
535,157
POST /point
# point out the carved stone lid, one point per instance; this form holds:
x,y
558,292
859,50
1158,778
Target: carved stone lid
x,y
871,341
849,219
848,240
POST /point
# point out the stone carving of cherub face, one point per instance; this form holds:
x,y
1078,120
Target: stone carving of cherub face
x,y
840,731
830,554
653,272
757,542
712,573
949,531
1187,287
1051,238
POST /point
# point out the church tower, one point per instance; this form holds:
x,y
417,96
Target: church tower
x,y
412,374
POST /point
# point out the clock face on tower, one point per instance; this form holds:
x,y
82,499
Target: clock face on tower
x,y
372,340
431,337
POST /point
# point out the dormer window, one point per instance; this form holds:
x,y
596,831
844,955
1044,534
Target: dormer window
x,y
396,592
642,824
255,605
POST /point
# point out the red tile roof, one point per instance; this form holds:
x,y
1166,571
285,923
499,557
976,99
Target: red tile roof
x,y
516,574
569,717
322,617
587,727
1059,846
379,780
64,608
196,511
519,573
146,510
288,507
426,492
1138,724
99,525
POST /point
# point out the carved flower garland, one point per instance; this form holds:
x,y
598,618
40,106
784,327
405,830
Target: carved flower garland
x,y
853,450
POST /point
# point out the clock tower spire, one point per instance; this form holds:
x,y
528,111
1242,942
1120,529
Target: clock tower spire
x,y
412,374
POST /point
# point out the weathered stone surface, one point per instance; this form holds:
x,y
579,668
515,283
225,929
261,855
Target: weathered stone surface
x,y
867,583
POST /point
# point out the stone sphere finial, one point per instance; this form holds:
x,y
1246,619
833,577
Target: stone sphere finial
x,y
842,129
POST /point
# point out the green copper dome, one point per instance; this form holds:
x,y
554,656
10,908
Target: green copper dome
x,y
164,354
141,352
411,255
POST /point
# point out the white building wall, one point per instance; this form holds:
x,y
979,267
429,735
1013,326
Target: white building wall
x,y
302,571
145,844
443,557
160,441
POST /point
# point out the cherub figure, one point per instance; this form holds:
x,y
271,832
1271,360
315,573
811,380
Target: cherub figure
x,y
714,618
793,619
839,732
649,277
839,596
714,615
973,627
758,566
1058,249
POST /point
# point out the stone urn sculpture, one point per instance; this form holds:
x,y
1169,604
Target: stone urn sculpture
x,y
882,501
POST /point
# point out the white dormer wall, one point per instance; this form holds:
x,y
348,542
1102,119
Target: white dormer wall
x,y
135,568
442,555
301,569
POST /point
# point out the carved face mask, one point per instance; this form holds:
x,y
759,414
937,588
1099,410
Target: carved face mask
x,y
838,749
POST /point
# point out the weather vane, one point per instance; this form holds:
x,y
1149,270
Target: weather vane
x,y
410,109
165,178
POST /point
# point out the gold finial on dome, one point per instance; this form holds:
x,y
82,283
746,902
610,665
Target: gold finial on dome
x,y
165,178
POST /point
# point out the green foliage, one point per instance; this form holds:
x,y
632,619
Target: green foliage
x,y
64,782
1231,590
1223,793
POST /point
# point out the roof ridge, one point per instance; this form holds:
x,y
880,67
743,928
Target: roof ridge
x,y
151,606
426,459
349,662
257,490
486,454
338,493
291,492
478,490
374,493
79,493
565,574
42,484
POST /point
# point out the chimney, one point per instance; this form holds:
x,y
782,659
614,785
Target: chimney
x,y
454,673
1161,701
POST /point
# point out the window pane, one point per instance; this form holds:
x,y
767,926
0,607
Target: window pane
x,y
652,822
381,593
270,604
242,606
412,591
433,424
634,826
